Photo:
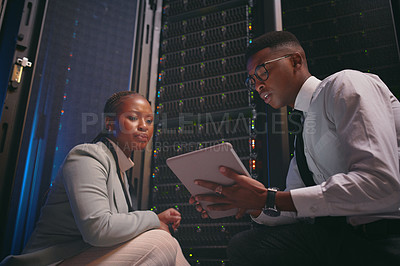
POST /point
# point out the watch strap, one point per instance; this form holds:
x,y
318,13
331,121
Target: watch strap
x,y
270,203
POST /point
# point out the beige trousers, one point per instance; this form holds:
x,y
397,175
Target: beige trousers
x,y
154,247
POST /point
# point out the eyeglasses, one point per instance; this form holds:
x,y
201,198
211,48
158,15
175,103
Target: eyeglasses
x,y
261,73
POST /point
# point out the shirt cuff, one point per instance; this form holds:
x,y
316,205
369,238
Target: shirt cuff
x,y
284,218
309,201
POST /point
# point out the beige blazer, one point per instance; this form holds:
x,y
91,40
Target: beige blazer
x,y
85,207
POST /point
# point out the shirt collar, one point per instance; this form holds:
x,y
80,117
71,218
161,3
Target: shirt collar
x,y
124,162
303,99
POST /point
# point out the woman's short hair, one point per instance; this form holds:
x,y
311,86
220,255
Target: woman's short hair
x,y
115,100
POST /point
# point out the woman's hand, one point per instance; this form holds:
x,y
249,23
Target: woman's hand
x,y
170,216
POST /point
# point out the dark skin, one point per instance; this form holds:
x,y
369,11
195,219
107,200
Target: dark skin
x,y
133,126
132,130
286,77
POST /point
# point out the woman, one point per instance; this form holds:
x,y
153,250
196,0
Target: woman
x,y
88,217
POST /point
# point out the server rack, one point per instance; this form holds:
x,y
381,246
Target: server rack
x,y
357,34
80,52
201,100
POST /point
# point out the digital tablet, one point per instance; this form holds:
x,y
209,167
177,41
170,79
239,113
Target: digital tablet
x,y
204,164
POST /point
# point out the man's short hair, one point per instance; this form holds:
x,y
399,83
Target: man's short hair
x,y
272,39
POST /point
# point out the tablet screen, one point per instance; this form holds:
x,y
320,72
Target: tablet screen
x,y
204,164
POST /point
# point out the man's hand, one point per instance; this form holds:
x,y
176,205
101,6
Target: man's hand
x,y
170,216
198,207
246,194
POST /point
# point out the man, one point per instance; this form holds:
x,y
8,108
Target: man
x,y
342,193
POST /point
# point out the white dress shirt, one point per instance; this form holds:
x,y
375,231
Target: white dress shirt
x,y
352,146
125,163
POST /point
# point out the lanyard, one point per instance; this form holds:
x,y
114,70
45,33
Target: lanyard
x,y
114,153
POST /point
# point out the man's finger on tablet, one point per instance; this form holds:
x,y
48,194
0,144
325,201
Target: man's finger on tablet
x,y
199,208
241,180
204,214
206,184
241,212
192,200
228,172
212,198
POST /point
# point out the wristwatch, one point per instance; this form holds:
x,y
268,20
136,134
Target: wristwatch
x,y
270,207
